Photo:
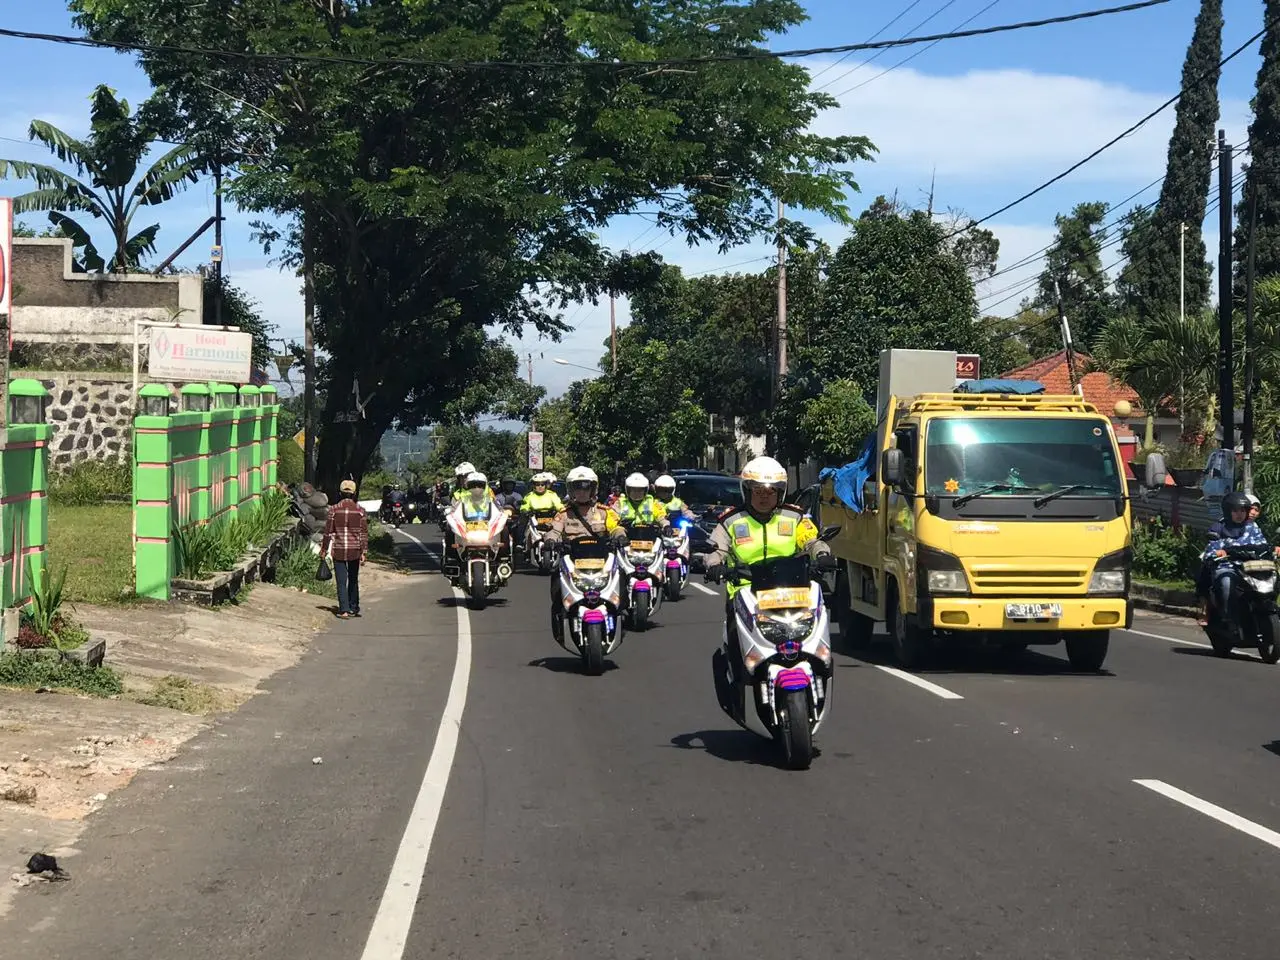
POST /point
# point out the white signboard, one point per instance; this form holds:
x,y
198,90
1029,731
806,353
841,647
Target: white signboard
x,y
6,256
200,354
535,451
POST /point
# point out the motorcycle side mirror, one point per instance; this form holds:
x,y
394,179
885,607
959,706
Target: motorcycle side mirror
x,y
828,533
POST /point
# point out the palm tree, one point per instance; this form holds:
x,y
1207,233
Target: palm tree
x,y
113,192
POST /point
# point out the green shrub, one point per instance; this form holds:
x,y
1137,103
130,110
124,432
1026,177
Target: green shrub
x,y
36,670
1163,554
195,548
92,482
297,568
291,468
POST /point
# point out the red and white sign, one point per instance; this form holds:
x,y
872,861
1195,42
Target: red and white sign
x,y
968,366
6,257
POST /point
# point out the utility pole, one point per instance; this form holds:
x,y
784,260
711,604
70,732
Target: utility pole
x,y
217,238
1248,343
1182,321
613,331
529,360
1066,336
782,302
1226,389
309,349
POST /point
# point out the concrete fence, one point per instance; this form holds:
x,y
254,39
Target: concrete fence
x,y
210,461
24,507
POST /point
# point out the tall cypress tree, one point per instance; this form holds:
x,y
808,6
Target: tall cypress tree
x,y
1262,176
1150,281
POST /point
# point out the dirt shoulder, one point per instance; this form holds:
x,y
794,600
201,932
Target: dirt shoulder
x,y
62,754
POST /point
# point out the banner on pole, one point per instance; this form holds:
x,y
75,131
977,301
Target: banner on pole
x,y
535,451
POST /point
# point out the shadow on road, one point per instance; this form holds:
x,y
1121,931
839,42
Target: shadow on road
x,y
567,665
733,746
1272,747
962,659
455,602
1234,655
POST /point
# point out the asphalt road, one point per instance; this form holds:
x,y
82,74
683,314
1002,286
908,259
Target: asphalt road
x,y
993,811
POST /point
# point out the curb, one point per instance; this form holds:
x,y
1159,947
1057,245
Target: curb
x,y
1148,596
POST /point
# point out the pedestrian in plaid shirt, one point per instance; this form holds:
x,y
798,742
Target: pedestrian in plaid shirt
x,y
348,530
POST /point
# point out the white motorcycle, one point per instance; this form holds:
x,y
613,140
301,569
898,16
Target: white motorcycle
x,y
676,549
536,550
483,566
642,562
591,591
783,634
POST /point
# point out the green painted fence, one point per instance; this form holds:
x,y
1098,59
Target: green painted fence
x,y
213,458
24,506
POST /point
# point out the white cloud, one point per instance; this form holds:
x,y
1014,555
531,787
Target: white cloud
x,y
995,123
279,295
1001,295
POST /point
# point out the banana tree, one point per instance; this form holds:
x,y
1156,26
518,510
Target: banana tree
x,y
106,185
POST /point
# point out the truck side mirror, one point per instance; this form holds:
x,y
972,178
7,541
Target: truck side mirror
x,y
828,533
893,466
1155,470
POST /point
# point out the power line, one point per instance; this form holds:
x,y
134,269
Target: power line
x,y
835,63
1110,143
879,53
906,60
745,55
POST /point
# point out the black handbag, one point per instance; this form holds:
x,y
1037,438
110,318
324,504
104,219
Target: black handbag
x,y
325,572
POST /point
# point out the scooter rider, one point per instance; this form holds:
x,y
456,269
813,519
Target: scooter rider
x,y
583,518
764,528
1237,530
664,489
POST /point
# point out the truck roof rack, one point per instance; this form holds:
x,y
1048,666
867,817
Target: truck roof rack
x,y
1066,403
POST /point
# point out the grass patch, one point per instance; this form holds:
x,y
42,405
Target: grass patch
x,y
30,671
91,482
382,546
95,544
184,694
297,568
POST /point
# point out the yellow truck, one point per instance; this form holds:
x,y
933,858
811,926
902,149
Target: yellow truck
x,y
996,517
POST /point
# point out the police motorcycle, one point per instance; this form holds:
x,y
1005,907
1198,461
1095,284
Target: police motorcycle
x,y
537,551
483,564
1252,618
591,591
676,551
783,632
642,564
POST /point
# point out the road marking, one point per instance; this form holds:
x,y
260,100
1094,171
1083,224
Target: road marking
x,y
391,923
707,590
425,549
1255,830
1160,636
911,678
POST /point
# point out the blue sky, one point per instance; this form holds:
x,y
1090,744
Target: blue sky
x,y
993,116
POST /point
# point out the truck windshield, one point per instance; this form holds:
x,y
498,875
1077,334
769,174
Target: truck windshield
x,y
1020,456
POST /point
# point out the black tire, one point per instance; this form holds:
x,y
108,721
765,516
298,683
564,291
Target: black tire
x,y
593,649
479,590
640,610
672,587
794,731
1087,650
912,645
1269,639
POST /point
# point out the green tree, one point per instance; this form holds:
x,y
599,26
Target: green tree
x,y
1074,261
837,422
107,185
425,222
893,283
1150,281
1262,176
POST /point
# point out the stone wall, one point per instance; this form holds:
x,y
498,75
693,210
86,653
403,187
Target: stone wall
x,y
91,415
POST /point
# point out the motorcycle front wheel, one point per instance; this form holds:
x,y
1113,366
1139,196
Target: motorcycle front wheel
x,y
477,587
673,586
640,611
593,649
794,731
1269,638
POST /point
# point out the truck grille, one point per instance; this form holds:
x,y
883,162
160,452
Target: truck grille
x,y
988,578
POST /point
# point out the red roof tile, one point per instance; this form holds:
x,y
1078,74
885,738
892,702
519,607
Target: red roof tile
x,y
1100,389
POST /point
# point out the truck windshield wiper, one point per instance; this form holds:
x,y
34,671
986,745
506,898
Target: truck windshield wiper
x,y
1063,491
989,488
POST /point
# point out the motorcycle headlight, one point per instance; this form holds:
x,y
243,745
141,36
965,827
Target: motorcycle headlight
x,y
941,572
779,628
590,581
1111,574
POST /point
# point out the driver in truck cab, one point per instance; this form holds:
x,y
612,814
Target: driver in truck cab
x,y
763,529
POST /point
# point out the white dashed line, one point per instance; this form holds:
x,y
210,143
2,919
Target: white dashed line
x,y
1255,830
911,678
707,590
1160,636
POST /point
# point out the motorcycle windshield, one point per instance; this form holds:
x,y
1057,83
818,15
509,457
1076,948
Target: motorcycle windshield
x,y
644,534
589,550
780,573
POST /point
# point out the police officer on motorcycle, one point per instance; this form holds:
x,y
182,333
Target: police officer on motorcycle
x,y
582,518
764,528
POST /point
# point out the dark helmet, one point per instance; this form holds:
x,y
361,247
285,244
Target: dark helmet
x,y
1232,502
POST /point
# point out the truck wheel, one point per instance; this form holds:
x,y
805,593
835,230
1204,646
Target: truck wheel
x,y
1086,651
911,643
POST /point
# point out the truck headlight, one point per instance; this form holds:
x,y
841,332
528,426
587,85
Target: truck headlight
x,y
941,572
1111,574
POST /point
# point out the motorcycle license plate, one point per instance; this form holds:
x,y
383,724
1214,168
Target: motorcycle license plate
x,y
642,546
591,564
783,597
1033,611
1259,566
473,525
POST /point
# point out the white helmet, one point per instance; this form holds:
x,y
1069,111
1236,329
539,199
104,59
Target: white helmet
x,y
637,481
665,482
539,478
477,479
464,469
764,472
582,475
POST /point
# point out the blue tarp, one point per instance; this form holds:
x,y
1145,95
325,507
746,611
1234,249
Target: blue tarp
x,y
848,480
1020,387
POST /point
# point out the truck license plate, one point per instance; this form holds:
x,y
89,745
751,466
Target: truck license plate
x,y
1033,611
